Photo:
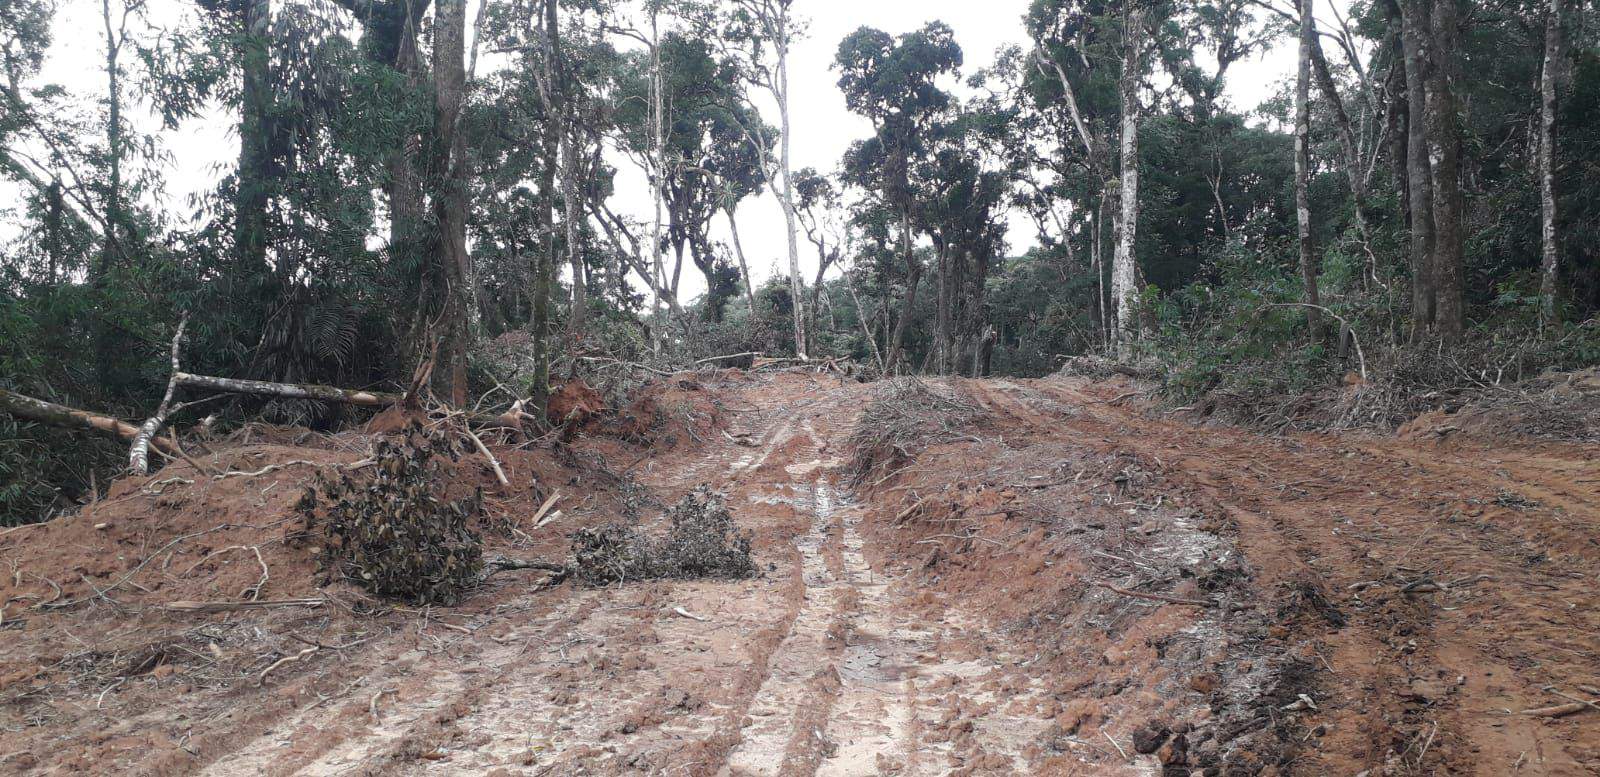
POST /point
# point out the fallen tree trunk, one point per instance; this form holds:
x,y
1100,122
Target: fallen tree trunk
x,y
139,452
515,418
289,390
49,413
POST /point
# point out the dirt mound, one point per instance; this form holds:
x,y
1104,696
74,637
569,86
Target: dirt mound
x,y
1561,406
178,535
1122,581
669,412
905,415
574,402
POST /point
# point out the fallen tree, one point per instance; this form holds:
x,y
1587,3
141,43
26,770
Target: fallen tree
x,y
145,436
51,414
288,390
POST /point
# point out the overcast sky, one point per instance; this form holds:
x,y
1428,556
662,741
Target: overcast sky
x,y
203,150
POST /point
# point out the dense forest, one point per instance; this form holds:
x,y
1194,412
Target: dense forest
x,y
432,194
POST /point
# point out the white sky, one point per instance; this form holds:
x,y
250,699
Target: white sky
x,y
202,150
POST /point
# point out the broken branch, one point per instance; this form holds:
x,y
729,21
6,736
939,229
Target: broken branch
x,y
1154,597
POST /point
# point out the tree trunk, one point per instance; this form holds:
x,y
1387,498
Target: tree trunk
x,y
1302,172
1419,173
287,390
250,203
1549,84
545,263
1105,312
1355,169
744,269
572,193
1444,130
450,206
405,185
781,43
1395,119
139,452
1124,275
51,414
942,312
861,318
913,277
658,145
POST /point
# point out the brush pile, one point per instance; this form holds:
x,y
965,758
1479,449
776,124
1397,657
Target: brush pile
x,y
388,528
702,541
905,416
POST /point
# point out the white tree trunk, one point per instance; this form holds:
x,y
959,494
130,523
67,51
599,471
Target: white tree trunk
x,y
1550,265
139,452
787,193
1124,273
658,175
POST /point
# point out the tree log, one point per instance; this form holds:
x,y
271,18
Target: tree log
x,y
515,418
290,390
51,414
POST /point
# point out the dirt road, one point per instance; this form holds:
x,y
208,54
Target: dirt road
x,y
1057,584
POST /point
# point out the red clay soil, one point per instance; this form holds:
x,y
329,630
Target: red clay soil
x,y
1058,584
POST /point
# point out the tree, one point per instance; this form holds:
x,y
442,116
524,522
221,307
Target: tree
x,y
1302,171
1415,36
1124,263
892,82
1551,76
1444,148
760,33
450,198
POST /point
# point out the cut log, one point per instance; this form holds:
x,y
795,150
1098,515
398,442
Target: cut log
x,y
51,414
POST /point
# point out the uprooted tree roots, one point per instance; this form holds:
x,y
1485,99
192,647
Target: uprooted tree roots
x,y
905,415
702,541
391,530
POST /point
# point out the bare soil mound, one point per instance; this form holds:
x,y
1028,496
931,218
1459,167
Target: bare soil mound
x,y
1559,406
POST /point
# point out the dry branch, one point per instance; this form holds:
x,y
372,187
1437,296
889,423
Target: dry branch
x,y
1558,711
1154,597
499,474
232,606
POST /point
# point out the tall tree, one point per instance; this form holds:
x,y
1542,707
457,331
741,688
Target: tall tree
x,y
1551,76
892,82
450,198
1415,38
1302,171
1444,147
766,30
1124,263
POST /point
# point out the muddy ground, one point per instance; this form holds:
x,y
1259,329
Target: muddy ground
x,y
1033,577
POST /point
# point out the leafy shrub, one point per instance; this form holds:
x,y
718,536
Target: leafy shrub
x,y
702,541
391,531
